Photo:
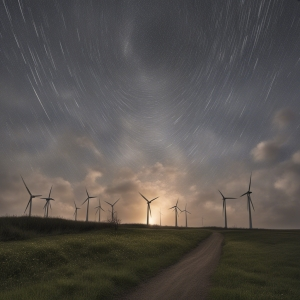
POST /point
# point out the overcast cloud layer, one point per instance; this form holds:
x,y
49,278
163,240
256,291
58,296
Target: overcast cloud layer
x,y
175,99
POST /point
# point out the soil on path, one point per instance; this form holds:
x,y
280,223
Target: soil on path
x,y
188,279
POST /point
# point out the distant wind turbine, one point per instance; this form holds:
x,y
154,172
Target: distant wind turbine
x,y
75,213
99,208
88,202
224,206
176,213
148,206
185,215
30,199
46,207
160,214
248,202
112,208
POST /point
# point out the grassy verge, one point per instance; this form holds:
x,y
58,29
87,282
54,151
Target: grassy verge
x,y
92,265
258,264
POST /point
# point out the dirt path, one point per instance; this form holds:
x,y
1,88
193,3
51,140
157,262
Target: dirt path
x,y
187,279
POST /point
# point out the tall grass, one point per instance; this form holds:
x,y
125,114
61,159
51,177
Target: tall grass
x,y
92,265
258,264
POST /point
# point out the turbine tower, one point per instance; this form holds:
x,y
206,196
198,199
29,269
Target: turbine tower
x,y
185,215
224,207
30,199
160,214
148,206
248,202
176,213
75,213
46,207
99,208
88,202
112,208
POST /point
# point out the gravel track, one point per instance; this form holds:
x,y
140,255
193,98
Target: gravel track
x,y
188,279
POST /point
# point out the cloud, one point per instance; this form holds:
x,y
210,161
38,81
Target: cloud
x,y
283,118
266,151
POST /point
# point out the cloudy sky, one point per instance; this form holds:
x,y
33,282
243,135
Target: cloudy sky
x,y
175,99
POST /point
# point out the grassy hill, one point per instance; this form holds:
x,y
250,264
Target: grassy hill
x,y
60,259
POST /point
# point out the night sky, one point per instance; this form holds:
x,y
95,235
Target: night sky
x,y
175,99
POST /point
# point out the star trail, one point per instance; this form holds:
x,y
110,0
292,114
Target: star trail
x,y
175,99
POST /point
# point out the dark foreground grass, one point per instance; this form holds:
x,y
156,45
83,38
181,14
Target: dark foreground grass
x,y
258,264
23,228
93,265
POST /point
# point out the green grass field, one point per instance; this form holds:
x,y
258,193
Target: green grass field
x,y
258,264
96,264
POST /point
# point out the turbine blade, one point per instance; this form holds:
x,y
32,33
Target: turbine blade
x,y
27,205
102,208
244,194
144,197
221,194
153,199
116,201
108,203
250,182
252,204
230,198
85,201
26,186
50,191
87,193
150,210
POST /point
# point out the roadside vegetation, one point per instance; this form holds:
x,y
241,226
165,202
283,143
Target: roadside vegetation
x,y
97,264
258,264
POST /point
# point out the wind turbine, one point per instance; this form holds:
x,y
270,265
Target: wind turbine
x,y
99,209
30,199
185,215
148,206
176,213
75,213
224,206
248,202
46,207
88,202
160,217
112,208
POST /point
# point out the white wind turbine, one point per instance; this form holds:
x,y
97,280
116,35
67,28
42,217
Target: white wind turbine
x,y
224,206
112,208
99,208
248,202
75,213
148,206
30,199
88,202
176,212
46,207
185,215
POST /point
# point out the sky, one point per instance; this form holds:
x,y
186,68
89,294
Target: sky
x,y
171,99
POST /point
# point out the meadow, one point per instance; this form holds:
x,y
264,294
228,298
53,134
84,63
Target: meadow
x,y
258,264
49,259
